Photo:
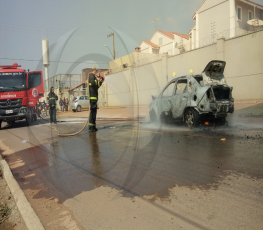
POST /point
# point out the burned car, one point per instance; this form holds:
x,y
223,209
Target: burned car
x,y
194,97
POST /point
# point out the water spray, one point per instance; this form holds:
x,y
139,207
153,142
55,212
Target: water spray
x,y
73,134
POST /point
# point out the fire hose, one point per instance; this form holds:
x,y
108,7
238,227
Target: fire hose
x,y
72,134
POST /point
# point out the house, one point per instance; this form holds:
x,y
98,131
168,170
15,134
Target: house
x,y
226,18
163,41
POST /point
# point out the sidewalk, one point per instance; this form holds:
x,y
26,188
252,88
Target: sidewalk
x,y
135,112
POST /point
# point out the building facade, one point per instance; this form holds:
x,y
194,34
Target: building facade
x,y
227,18
165,42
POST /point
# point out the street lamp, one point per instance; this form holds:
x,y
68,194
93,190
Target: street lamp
x,y
109,50
112,34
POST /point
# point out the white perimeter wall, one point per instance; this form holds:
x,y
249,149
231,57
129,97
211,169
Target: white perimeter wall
x,y
244,65
244,71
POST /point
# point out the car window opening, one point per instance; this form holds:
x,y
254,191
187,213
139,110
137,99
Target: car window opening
x,y
169,91
190,86
181,86
209,95
199,78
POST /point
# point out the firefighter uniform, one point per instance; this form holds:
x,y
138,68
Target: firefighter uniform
x,y
94,85
52,97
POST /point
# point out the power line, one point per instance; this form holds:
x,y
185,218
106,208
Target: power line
x,y
20,30
17,59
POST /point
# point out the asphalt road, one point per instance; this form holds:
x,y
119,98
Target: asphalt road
x,y
137,175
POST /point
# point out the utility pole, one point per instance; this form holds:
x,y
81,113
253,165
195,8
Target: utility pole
x,y
112,34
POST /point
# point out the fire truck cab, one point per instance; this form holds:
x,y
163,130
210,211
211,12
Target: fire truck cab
x,y
19,93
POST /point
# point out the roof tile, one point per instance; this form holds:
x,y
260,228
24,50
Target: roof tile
x,y
151,44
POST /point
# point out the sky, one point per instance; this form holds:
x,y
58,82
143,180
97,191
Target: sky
x,y
80,28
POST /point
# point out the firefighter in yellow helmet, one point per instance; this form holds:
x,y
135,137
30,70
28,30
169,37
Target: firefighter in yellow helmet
x,y
52,98
94,84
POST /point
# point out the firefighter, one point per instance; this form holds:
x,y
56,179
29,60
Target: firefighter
x,y
94,84
38,108
52,98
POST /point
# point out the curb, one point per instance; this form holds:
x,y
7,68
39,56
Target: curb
x,y
28,215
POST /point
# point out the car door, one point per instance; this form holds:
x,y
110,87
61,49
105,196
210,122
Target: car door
x,y
81,101
86,102
164,103
35,87
180,98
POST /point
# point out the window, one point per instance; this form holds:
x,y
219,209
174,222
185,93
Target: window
x,y
198,78
181,86
81,98
250,15
34,80
261,15
160,41
239,13
86,98
10,80
169,91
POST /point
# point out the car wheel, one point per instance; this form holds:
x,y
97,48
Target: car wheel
x,y
79,108
191,117
0,124
74,110
221,120
10,122
153,117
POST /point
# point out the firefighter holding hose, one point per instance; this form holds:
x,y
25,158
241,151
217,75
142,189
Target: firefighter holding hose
x,y
52,98
94,84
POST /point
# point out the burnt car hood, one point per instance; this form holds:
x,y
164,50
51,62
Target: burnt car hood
x,y
214,73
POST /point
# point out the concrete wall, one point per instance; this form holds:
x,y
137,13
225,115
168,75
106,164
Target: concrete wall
x,y
244,71
131,59
244,65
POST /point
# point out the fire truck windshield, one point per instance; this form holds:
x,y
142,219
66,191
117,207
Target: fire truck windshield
x,y
15,81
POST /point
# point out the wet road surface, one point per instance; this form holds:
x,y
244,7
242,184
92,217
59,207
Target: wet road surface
x,y
140,159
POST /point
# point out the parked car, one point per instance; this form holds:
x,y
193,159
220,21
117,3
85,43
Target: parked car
x,y
79,103
192,97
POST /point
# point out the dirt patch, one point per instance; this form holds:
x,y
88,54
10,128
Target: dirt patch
x,y
9,215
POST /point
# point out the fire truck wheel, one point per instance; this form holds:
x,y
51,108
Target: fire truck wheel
x,y
28,121
29,118
35,117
